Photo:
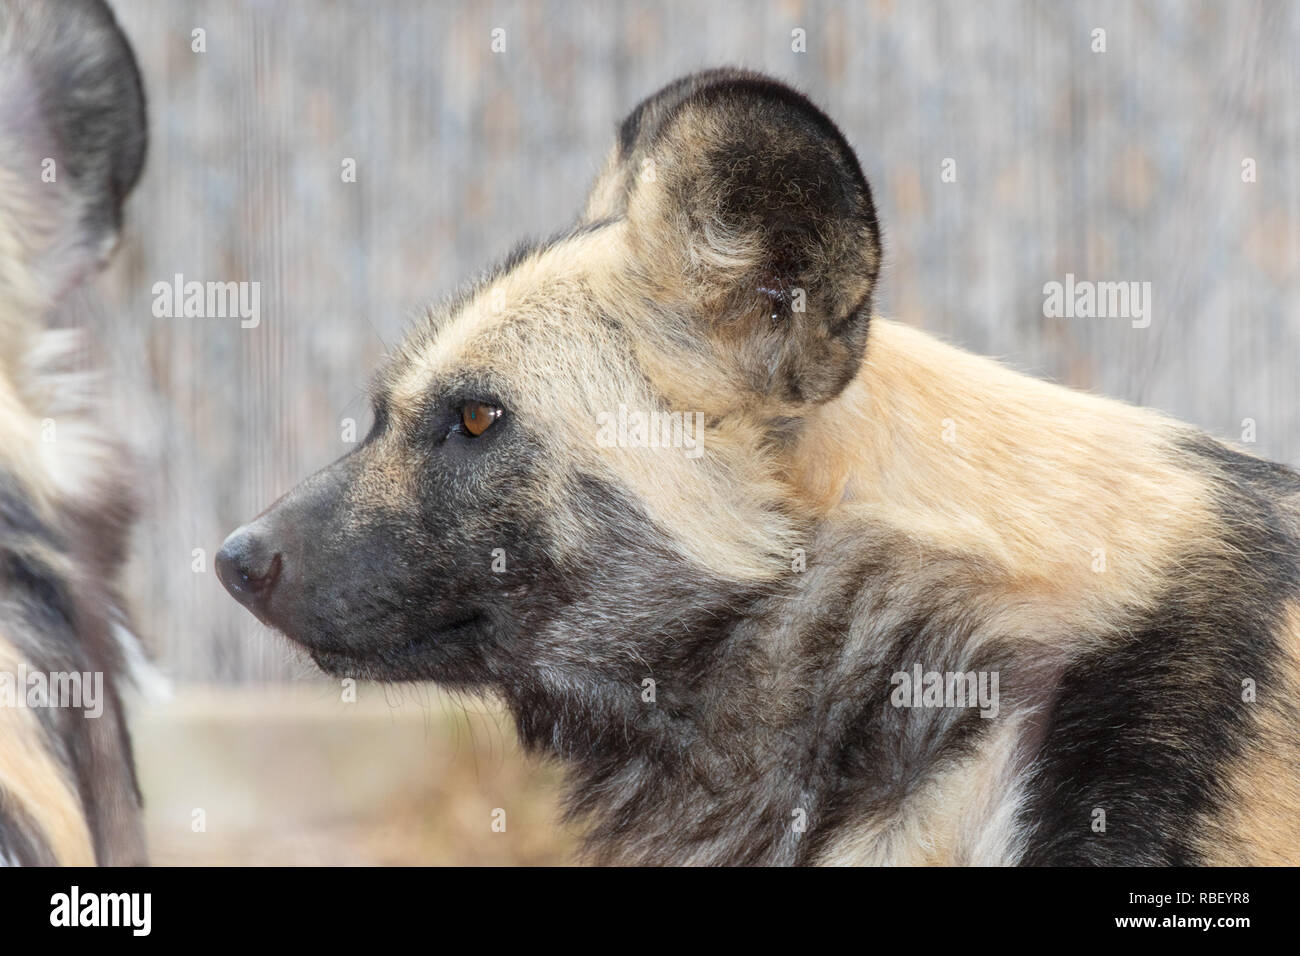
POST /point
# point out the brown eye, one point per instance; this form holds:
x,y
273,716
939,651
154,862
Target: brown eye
x,y
478,417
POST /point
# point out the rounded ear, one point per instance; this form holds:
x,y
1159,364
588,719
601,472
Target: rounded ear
x,y
748,208
607,198
72,136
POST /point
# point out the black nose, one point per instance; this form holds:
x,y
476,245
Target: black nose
x,y
248,567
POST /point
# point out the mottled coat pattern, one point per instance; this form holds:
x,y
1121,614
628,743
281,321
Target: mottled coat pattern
x,y
711,643
72,143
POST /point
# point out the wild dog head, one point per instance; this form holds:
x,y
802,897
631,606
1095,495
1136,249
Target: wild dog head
x,y
509,521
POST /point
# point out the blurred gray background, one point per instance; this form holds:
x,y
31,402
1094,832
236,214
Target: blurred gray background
x,y
1122,165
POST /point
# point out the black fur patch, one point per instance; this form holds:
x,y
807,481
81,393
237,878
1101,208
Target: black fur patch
x,y
1145,729
27,580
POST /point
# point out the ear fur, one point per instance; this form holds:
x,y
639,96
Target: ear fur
x,y
70,93
748,209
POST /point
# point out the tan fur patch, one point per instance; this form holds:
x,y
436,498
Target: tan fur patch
x,y
608,196
1081,499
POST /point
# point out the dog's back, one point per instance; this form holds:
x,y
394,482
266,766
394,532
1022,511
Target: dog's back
x,y
72,143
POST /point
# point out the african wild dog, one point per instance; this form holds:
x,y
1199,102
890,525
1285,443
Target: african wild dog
x,y
1125,577
72,143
